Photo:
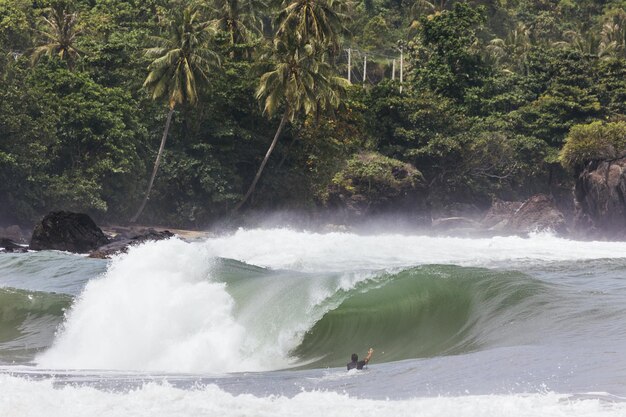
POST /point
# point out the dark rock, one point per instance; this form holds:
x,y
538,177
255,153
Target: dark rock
x,y
537,213
600,199
7,245
122,242
500,213
66,231
13,233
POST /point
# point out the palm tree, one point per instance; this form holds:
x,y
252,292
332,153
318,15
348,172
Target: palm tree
x,y
589,43
300,21
302,81
60,33
239,18
182,60
613,35
512,51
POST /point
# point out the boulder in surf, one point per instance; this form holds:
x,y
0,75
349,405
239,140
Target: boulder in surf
x,y
7,245
67,231
123,241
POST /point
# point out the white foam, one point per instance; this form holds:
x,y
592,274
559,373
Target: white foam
x,y
305,251
23,398
156,309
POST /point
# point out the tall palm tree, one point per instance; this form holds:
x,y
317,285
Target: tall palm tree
x,y
302,81
239,18
59,33
300,21
182,60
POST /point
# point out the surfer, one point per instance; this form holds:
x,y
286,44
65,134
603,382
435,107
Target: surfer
x,y
360,364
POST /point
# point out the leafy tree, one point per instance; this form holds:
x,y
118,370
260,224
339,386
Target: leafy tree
x,y
182,61
611,86
452,63
15,24
72,142
568,97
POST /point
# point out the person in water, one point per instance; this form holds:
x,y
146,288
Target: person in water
x,y
356,363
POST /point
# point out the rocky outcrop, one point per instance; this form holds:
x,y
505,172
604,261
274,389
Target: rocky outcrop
x,y
121,243
537,213
67,231
9,246
600,199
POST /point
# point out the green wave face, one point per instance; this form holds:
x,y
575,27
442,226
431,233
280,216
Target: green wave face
x,y
28,320
425,311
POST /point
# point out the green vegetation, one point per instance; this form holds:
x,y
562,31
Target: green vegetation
x,y
593,142
371,182
497,99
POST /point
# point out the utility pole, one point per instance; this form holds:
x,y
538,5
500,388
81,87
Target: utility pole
x,y
393,70
364,69
401,68
350,65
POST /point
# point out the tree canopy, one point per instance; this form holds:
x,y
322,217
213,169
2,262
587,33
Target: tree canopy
x,y
484,99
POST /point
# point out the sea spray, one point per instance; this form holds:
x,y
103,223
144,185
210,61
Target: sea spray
x,y
318,252
156,308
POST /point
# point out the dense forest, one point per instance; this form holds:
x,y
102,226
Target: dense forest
x,y
203,109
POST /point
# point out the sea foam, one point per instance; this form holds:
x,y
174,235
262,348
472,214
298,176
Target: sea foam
x,y
28,398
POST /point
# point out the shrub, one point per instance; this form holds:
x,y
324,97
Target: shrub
x,y
592,142
371,182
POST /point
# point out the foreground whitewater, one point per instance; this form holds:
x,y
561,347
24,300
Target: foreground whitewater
x,y
261,322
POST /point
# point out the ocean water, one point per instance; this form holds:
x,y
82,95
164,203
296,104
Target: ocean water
x,y
262,322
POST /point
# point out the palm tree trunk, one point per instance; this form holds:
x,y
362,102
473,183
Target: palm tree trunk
x,y
283,121
156,166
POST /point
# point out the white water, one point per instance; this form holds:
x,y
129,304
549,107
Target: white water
x,y
23,398
155,309
303,251
158,308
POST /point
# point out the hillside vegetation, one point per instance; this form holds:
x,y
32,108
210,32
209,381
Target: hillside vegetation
x,y
182,112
